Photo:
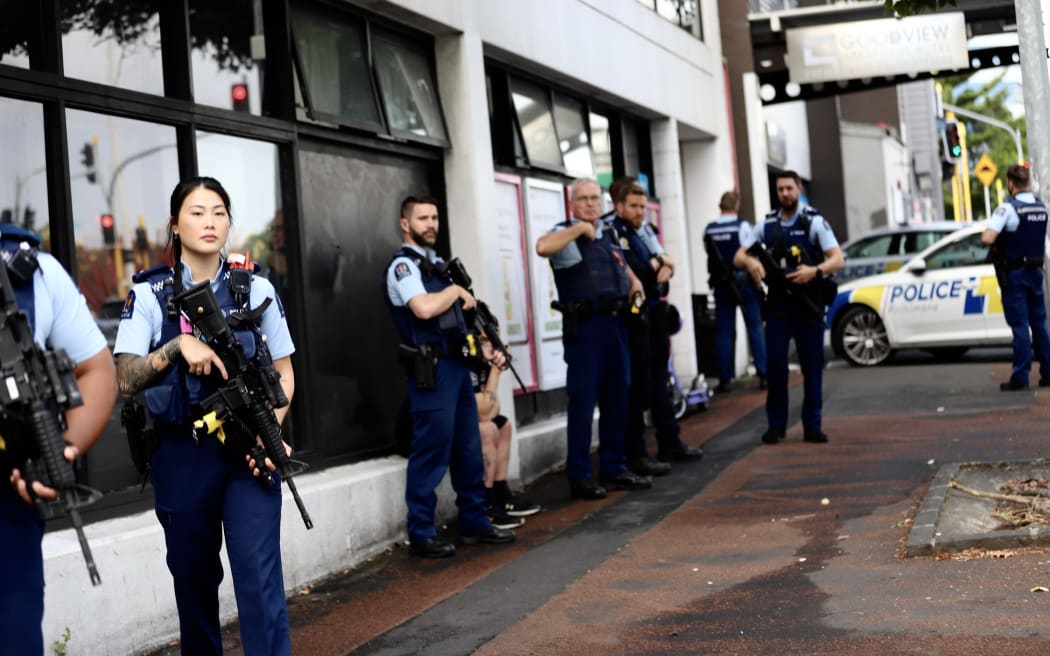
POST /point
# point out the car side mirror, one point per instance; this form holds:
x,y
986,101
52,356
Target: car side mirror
x,y
916,266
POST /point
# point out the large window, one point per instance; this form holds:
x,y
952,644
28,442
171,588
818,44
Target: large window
x,y
117,44
333,70
408,90
23,176
14,31
573,141
227,46
601,146
532,105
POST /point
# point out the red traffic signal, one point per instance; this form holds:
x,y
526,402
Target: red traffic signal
x,y
239,97
109,233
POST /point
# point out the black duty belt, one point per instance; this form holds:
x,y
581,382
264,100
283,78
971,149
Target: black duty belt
x,y
1027,262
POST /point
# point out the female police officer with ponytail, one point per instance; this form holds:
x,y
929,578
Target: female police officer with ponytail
x,y
204,489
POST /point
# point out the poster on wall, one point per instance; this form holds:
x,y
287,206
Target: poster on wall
x,y
511,305
544,208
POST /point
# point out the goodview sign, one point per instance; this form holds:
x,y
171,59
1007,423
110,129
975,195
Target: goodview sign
x,y
872,48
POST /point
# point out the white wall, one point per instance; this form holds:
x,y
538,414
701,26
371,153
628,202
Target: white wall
x,y
791,117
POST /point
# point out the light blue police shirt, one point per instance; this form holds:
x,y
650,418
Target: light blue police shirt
x,y
570,256
404,280
820,232
61,316
140,322
1005,216
647,233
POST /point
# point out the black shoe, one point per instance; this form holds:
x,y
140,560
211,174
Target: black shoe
x,y
772,436
432,547
1015,385
586,489
681,455
503,520
626,481
518,506
492,535
762,384
645,466
1044,382
722,387
815,436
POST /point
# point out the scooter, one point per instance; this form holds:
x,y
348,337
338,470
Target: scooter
x,y
696,397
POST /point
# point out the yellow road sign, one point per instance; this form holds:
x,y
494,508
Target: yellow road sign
x,y
985,170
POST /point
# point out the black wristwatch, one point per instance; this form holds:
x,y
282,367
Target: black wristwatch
x,y
659,259
820,272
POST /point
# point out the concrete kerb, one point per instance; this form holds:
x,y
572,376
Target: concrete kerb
x,y
949,520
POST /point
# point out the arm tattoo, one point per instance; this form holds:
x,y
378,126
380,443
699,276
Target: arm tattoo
x,y
135,372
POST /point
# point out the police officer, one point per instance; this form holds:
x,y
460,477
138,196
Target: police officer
x,y
204,490
1018,231
649,339
60,318
428,311
732,289
593,288
804,249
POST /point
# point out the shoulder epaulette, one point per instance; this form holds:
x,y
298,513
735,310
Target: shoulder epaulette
x,y
153,276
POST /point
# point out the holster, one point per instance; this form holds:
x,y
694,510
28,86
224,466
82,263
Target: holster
x,y
421,362
142,436
571,316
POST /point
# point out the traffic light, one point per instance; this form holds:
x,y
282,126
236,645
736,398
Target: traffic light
x,y
952,143
239,97
109,232
87,158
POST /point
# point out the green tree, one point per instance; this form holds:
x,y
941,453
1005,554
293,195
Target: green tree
x,y
911,7
988,99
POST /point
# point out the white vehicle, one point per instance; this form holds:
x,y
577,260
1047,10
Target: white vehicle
x,y
944,300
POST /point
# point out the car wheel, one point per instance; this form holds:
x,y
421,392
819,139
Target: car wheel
x,y
861,338
948,353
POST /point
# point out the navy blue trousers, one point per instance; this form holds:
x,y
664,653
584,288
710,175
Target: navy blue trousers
x,y
201,494
725,323
1025,311
22,590
599,372
445,438
650,351
785,321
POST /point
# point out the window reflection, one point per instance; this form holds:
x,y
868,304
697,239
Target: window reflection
x,y
408,90
601,147
532,105
334,69
14,49
221,36
118,46
127,186
248,170
572,133
23,178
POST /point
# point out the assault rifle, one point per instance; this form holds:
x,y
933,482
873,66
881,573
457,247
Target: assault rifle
x,y
251,391
776,278
38,386
484,321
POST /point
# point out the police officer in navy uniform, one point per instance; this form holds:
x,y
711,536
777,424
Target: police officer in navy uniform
x,y
649,338
722,240
1018,231
594,284
60,319
803,245
205,490
437,350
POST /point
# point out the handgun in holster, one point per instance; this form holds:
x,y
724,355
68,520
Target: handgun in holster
x,y
421,362
142,436
570,319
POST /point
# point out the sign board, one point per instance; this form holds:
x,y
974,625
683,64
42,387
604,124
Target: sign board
x,y
985,170
544,208
872,48
512,306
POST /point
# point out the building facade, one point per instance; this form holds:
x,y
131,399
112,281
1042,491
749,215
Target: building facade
x,y
318,117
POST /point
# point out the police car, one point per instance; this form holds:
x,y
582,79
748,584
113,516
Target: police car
x,y
887,249
945,300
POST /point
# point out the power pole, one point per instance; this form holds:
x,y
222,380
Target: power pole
x,y
1032,48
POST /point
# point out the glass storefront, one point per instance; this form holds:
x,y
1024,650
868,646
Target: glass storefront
x,y
227,52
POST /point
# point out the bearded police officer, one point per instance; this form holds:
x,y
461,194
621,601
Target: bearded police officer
x,y
1017,231
649,338
804,252
594,285
428,311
